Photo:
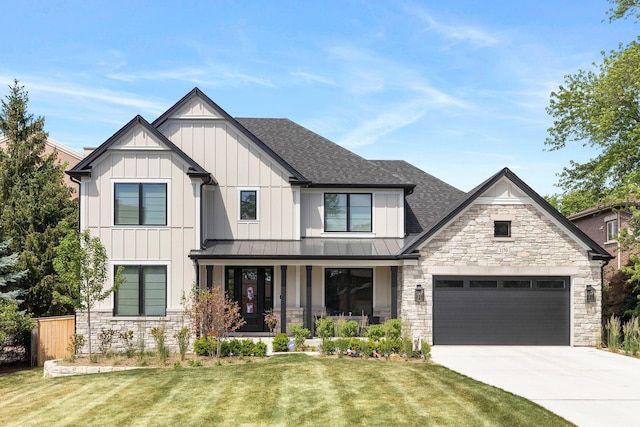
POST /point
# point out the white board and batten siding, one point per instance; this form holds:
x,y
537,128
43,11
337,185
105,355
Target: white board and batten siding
x,y
387,213
138,158
237,164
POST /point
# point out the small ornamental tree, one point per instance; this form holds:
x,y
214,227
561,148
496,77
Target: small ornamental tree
x,y
213,313
81,262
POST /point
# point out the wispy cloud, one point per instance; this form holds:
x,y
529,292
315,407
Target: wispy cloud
x,y
199,76
313,78
454,33
398,116
35,85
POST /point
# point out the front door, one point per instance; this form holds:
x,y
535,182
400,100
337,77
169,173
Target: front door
x,y
252,288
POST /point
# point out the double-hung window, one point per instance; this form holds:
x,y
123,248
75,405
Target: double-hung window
x,y
143,292
612,230
140,204
347,212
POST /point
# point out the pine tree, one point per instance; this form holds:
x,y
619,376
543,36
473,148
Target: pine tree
x,y
35,206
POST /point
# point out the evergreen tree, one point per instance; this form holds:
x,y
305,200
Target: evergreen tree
x,y
13,322
35,206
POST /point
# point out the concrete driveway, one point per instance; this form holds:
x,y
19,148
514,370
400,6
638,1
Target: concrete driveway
x,y
586,386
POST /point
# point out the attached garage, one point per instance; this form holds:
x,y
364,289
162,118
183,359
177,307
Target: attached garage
x,y
485,310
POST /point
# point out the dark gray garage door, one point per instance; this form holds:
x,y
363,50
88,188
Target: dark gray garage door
x,y
501,310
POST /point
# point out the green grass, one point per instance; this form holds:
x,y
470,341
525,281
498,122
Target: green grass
x,y
284,390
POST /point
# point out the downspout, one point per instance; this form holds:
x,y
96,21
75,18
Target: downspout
x,y
75,315
74,179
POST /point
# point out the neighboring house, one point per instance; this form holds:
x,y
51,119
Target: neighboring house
x,y
65,155
287,220
602,224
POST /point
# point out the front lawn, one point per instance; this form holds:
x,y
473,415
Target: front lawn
x,y
283,390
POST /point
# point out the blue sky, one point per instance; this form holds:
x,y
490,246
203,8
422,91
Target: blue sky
x,y
457,88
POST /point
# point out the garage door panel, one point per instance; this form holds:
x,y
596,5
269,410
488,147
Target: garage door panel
x,y
501,316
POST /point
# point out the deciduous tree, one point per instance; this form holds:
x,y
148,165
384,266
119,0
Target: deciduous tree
x,y
82,263
213,313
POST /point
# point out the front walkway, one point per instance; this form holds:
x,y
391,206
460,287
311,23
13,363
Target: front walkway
x,y
588,387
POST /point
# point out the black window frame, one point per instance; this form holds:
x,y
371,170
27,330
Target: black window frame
x,y
348,213
141,295
141,204
496,226
255,194
348,291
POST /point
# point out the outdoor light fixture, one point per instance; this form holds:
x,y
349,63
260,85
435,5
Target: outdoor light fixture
x,y
590,294
419,293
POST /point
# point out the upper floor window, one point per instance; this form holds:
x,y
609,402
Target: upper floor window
x,y
248,205
347,212
502,229
612,230
140,204
144,291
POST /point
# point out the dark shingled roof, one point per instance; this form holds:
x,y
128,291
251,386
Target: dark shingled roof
x,y
431,198
320,161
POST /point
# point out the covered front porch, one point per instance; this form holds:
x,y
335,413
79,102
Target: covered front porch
x,y
349,278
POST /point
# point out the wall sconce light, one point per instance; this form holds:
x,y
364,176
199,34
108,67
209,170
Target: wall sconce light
x,y
590,294
419,293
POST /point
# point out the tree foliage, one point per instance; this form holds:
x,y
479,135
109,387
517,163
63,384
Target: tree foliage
x,y
13,321
623,8
35,206
600,109
82,264
213,313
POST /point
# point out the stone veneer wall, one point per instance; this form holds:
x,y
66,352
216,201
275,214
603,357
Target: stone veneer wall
x,y
141,327
537,248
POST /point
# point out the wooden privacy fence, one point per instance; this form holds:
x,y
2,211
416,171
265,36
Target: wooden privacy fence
x,y
50,338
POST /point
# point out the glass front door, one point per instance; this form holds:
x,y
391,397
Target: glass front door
x,y
252,288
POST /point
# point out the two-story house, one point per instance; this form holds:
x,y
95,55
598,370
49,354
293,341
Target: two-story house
x,y
287,220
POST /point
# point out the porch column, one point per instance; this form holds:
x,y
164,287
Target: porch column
x,y
283,298
209,276
308,307
394,291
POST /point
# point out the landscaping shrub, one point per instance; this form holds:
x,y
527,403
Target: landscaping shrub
x,y
259,349
349,329
341,345
280,342
300,334
105,338
182,336
392,328
159,336
231,347
205,346
328,346
425,349
613,333
325,327
631,330
376,332
127,341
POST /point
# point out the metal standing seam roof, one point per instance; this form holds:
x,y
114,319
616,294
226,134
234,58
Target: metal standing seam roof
x,y
308,248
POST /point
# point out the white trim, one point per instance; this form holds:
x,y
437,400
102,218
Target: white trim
x,y
84,202
572,320
115,181
502,200
249,221
198,209
296,213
